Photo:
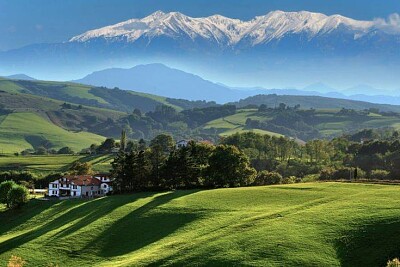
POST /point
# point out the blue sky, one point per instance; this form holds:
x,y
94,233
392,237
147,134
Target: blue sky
x,y
24,22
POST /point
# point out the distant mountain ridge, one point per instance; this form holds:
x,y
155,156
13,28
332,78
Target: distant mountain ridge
x,y
233,32
162,80
274,50
20,77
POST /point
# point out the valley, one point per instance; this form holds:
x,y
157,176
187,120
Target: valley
x,y
56,114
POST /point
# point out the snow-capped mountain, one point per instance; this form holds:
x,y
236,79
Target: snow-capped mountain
x,y
230,32
279,49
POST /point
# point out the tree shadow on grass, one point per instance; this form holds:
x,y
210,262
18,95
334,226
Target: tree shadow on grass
x,y
11,219
143,226
372,245
80,210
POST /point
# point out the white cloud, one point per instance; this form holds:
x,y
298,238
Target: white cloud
x,y
389,25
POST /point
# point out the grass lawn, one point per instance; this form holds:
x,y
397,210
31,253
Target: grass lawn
x,y
312,224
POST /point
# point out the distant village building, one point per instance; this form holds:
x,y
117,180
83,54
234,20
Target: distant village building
x,y
182,143
81,186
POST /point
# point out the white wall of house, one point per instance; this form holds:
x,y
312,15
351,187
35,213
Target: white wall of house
x,y
54,188
62,188
105,188
75,190
90,190
103,179
182,143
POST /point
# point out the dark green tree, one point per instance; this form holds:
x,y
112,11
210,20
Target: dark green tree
x,y
5,187
17,196
229,167
123,141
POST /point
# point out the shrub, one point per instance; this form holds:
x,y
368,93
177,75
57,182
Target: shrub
x,y
17,196
290,180
339,174
379,174
298,168
65,150
80,168
326,174
267,178
5,187
17,176
15,261
393,263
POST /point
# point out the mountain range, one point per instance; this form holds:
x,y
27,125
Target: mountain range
x,y
162,80
226,32
275,50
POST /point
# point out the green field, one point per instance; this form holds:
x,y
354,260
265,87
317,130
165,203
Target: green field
x,y
19,131
330,125
46,164
315,224
236,123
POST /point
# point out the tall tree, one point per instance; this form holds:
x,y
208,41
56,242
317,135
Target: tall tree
x,y
123,141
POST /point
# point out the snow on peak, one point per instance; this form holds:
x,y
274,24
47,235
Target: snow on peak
x,y
227,31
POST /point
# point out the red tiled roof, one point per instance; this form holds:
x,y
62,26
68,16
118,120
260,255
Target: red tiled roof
x,y
104,174
82,180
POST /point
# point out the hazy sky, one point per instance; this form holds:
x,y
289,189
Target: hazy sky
x,y
24,22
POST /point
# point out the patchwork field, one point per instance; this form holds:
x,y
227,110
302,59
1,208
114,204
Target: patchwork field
x,y
315,224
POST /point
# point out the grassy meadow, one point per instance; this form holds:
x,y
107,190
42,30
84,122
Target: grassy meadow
x,y
42,165
20,131
309,224
330,124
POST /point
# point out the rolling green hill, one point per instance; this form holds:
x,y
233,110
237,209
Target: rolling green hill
x,y
321,224
236,123
19,131
316,102
121,100
105,112
328,122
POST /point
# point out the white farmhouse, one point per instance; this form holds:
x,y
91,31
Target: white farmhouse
x,y
80,186
106,183
182,143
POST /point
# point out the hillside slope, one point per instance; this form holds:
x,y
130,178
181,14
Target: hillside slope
x,y
323,224
316,102
86,95
20,131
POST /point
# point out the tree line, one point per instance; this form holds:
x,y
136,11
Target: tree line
x,y
162,165
246,159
